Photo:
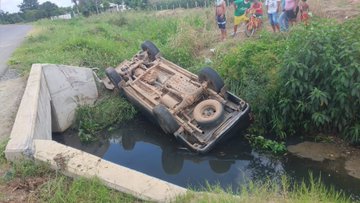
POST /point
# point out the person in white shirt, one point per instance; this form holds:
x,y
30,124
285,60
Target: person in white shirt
x,y
273,7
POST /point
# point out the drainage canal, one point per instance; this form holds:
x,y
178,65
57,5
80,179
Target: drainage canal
x,y
141,146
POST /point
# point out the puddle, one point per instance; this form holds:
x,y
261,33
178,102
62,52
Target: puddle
x,y
141,146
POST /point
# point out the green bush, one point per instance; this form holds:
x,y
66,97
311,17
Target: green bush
x,y
262,143
109,111
251,70
319,90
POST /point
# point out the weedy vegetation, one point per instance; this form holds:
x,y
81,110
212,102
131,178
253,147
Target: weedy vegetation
x,y
108,111
270,191
262,143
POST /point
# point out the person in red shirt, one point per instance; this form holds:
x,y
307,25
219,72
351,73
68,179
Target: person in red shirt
x,y
258,7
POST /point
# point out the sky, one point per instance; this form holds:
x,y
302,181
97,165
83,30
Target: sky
x,y
11,6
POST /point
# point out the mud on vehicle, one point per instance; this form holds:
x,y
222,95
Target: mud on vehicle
x,y
196,109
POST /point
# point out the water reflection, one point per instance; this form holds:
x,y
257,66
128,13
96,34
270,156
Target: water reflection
x,y
142,146
174,155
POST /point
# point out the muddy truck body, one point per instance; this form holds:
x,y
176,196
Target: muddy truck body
x,y
196,109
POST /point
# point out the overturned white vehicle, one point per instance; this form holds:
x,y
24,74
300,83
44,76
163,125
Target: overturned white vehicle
x,y
196,109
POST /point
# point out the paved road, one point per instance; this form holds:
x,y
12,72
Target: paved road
x,y
11,37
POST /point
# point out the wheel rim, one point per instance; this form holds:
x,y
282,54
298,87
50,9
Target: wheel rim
x,y
208,111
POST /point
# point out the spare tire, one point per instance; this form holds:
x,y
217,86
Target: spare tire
x,y
113,76
151,49
165,119
209,113
212,77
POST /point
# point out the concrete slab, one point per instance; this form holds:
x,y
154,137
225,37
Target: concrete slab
x,y
75,163
69,87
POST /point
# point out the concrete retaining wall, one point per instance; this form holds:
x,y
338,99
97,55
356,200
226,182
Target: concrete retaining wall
x,y
33,120
78,163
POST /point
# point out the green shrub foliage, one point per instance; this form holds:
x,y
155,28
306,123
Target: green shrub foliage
x,y
251,71
320,81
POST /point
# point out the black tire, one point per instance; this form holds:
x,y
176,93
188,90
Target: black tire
x,y
172,162
249,32
113,76
212,77
165,119
209,113
219,166
151,49
128,142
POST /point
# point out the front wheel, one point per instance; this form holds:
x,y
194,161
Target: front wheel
x,y
212,77
250,29
151,49
113,76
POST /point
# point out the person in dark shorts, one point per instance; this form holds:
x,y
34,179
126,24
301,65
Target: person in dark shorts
x,y
220,10
291,10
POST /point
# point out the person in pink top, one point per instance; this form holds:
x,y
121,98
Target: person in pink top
x,y
291,10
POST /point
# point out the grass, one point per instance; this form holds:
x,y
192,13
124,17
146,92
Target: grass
x,y
108,39
2,151
55,187
59,188
313,191
63,189
110,110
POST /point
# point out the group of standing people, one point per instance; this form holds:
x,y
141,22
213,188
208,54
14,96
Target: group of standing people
x,y
278,21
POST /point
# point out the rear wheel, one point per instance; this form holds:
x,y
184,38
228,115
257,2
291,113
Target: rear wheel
x,y
113,76
165,119
151,49
212,77
208,113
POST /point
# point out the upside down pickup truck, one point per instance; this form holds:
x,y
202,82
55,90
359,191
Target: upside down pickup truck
x,y
196,109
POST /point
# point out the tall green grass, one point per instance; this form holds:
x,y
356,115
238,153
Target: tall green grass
x,y
313,191
59,188
108,39
63,189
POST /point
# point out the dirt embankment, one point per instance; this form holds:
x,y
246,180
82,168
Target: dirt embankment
x,y
11,92
337,151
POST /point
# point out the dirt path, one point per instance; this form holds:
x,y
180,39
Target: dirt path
x,y
11,92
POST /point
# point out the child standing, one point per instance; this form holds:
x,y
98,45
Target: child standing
x,y
304,12
273,7
220,10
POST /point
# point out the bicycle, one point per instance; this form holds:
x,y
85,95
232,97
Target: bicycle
x,y
254,23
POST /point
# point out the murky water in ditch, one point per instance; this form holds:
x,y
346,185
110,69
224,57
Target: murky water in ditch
x,y
143,147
